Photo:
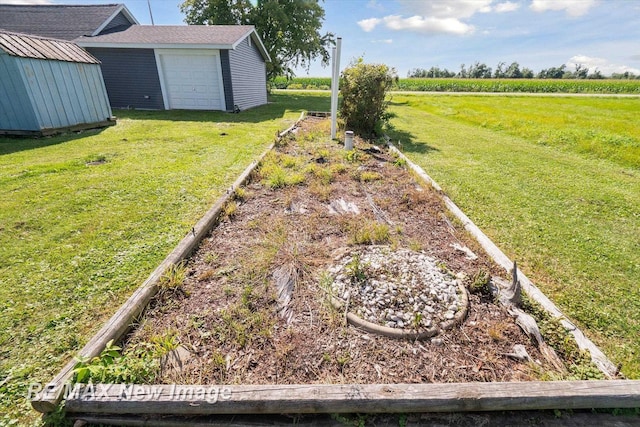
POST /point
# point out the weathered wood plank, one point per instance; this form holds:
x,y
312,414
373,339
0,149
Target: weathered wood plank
x,y
584,343
348,398
120,322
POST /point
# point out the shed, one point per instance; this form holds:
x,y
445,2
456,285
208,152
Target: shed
x,y
49,85
194,67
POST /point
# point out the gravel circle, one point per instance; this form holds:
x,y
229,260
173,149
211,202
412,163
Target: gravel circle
x,y
399,289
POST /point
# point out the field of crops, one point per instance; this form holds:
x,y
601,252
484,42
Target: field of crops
x,y
520,85
483,85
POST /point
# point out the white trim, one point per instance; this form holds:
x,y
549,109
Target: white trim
x,y
256,39
83,43
121,8
163,88
201,52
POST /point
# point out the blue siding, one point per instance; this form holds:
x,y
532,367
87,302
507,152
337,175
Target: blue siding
x,y
15,107
248,75
131,77
64,94
226,79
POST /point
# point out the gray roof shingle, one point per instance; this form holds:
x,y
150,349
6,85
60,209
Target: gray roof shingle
x,y
222,35
65,22
177,36
26,46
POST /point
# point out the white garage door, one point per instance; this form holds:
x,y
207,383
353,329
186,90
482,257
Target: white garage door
x,y
192,81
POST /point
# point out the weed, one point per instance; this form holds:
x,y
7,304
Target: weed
x,y
338,168
579,361
400,163
321,191
173,277
366,176
415,245
480,283
417,320
370,233
496,332
343,359
352,156
165,343
211,258
240,194
355,270
230,209
139,365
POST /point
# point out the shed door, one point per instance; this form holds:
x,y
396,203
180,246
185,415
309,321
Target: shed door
x,y
192,81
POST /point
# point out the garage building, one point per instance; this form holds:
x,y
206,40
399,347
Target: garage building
x,y
217,67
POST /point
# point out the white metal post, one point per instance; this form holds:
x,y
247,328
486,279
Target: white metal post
x,y
335,82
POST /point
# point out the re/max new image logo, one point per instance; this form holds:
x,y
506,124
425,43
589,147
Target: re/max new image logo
x,y
133,392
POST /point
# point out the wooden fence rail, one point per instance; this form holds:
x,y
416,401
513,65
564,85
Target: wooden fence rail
x,y
350,398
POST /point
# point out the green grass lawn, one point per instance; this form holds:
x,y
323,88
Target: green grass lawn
x,y
76,239
555,182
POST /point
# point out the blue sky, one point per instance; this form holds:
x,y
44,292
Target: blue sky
x,y
407,34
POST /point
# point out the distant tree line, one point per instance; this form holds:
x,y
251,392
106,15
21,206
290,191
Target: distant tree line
x,y
502,71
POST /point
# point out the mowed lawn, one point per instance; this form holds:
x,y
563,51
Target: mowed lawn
x,y
555,182
85,218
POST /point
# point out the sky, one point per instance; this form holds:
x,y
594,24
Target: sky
x,y
409,34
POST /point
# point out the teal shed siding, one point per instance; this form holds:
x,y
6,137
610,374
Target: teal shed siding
x,y
51,94
16,112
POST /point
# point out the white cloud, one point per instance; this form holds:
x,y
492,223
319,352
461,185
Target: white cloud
x,y
418,24
370,24
429,24
603,65
571,7
447,9
506,7
385,41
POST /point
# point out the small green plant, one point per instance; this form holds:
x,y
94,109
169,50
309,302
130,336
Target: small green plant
x,y
320,190
240,194
366,176
578,361
337,168
211,258
139,365
96,367
230,209
480,283
370,233
165,343
352,156
400,163
173,277
355,270
417,320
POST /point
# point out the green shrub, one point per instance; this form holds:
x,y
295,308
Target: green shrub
x,y
364,88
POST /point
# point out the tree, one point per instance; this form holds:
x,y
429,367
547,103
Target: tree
x,y
289,29
513,72
479,71
552,73
364,105
433,72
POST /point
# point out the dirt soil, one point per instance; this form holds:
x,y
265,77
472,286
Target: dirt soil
x,y
227,313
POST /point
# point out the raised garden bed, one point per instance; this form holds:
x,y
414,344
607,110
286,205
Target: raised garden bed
x,y
335,273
